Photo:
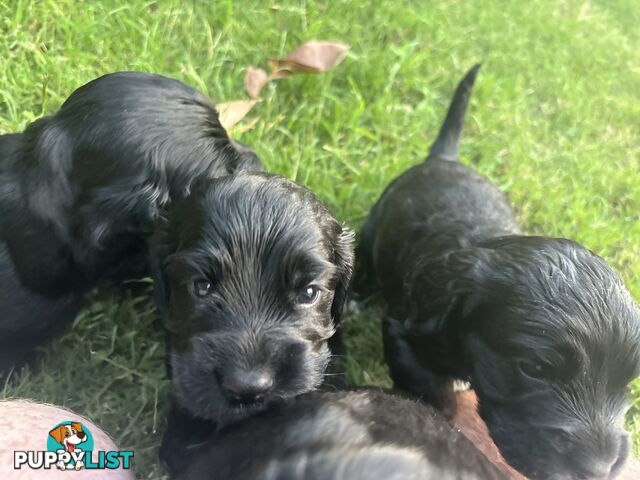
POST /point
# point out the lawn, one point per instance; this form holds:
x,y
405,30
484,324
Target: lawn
x,y
553,121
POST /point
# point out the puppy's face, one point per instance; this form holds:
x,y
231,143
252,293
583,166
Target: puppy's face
x,y
252,274
552,339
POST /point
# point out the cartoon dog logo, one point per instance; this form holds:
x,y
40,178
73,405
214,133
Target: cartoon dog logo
x,y
69,436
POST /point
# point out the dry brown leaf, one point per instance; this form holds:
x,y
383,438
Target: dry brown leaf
x,y
280,74
254,80
246,126
313,57
466,418
230,113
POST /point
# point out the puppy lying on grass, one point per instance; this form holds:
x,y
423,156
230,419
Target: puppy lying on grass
x,y
542,328
251,274
364,434
80,192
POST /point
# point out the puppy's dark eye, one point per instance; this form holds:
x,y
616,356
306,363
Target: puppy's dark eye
x,y
308,296
202,288
535,370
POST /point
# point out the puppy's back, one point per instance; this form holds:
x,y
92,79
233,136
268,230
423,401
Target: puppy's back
x,y
94,177
435,206
10,144
364,463
129,117
342,435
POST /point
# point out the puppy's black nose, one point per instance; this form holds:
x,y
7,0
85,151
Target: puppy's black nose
x,y
595,468
247,386
604,462
81,435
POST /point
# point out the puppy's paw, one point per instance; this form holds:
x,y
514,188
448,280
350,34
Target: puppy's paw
x,y
79,465
395,328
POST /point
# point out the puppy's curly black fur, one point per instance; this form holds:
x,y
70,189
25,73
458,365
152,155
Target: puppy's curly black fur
x,y
80,192
543,328
355,435
251,274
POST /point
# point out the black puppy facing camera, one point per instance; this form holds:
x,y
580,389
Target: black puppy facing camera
x,y
543,328
251,274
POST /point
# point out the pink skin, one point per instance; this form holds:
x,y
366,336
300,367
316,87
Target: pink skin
x,y
25,426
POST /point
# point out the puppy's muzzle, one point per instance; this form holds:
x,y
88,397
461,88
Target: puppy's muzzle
x,y
604,463
592,454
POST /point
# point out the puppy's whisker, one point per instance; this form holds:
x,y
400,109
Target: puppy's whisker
x,y
192,446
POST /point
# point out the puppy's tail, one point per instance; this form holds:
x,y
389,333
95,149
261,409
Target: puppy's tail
x,y
446,145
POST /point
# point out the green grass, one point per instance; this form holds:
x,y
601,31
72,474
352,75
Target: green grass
x,y
553,121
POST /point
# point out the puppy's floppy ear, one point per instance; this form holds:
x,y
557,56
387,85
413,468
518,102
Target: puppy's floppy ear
x,y
160,247
58,433
448,288
344,259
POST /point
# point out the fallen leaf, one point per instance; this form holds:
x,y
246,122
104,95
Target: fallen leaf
x,y
230,113
245,127
472,426
254,80
280,74
313,57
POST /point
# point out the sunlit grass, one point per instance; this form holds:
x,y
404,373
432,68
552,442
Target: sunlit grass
x,y
553,121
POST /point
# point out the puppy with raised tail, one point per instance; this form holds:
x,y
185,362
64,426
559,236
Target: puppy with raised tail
x,y
543,329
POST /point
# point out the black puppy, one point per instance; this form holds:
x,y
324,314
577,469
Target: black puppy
x,y
80,192
544,329
364,434
251,274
